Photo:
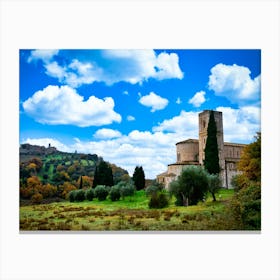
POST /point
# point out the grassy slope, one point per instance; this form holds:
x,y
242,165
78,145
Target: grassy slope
x,y
129,214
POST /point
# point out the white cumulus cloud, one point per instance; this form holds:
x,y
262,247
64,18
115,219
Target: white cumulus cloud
x,y
154,101
63,105
109,66
185,123
234,82
240,125
168,65
44,55
198,99
107,133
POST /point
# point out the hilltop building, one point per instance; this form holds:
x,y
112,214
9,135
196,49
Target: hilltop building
x,y
191,152
28,149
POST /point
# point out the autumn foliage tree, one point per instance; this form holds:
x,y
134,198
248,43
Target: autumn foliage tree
x,y
245,206
250,161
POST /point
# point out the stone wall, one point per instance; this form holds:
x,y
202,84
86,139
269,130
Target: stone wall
x,y
187,150
233,150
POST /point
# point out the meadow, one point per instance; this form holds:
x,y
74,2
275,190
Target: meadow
x,y
128,214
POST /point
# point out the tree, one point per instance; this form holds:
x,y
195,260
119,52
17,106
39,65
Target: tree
x,y
127,190
139,178
191,186
245,206
103,175
38,162
211,161
214,184
81,182
118,173
84,182
115,193
101,192
250,161
33,182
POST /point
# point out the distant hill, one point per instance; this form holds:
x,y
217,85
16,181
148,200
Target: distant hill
x,y
56,167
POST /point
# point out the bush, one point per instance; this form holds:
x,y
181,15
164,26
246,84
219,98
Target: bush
x,y
72,196
65,189
48,190
126,189
153,189
115,193
239,181
36,198
101,192
159,200
80,195
245,207
89,194
26,192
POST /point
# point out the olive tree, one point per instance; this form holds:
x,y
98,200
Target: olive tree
x,y
191,186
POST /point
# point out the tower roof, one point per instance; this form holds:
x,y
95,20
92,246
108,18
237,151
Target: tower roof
x,y
208,111
188,141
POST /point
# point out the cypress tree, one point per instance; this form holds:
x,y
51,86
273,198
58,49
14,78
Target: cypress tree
x,y
211,161
81,183
103,175
139,178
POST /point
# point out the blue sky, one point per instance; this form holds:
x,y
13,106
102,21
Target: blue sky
x,y
132,106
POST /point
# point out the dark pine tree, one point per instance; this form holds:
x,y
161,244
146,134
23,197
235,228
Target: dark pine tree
x,y
81,182
103,175
211,161
139,178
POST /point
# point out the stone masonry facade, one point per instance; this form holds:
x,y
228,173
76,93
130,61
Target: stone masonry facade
x,y
191,152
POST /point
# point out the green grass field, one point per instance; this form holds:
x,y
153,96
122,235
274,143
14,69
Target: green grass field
x,y
130,214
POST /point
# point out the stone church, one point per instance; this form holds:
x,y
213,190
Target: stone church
x,y
191,152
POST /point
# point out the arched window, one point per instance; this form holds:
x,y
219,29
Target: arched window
x,y
203,124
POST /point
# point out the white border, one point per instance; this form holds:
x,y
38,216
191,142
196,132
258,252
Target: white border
x,y
143,24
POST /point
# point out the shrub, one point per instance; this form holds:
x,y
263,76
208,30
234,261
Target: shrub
x,y
36,198
80,195
115,193
89,194
65,189
26,192
101,192
239,181
127,189
159,200
48,190
72,196
245,207
152,190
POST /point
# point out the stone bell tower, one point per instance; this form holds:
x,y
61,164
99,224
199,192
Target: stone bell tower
x,y
203,125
